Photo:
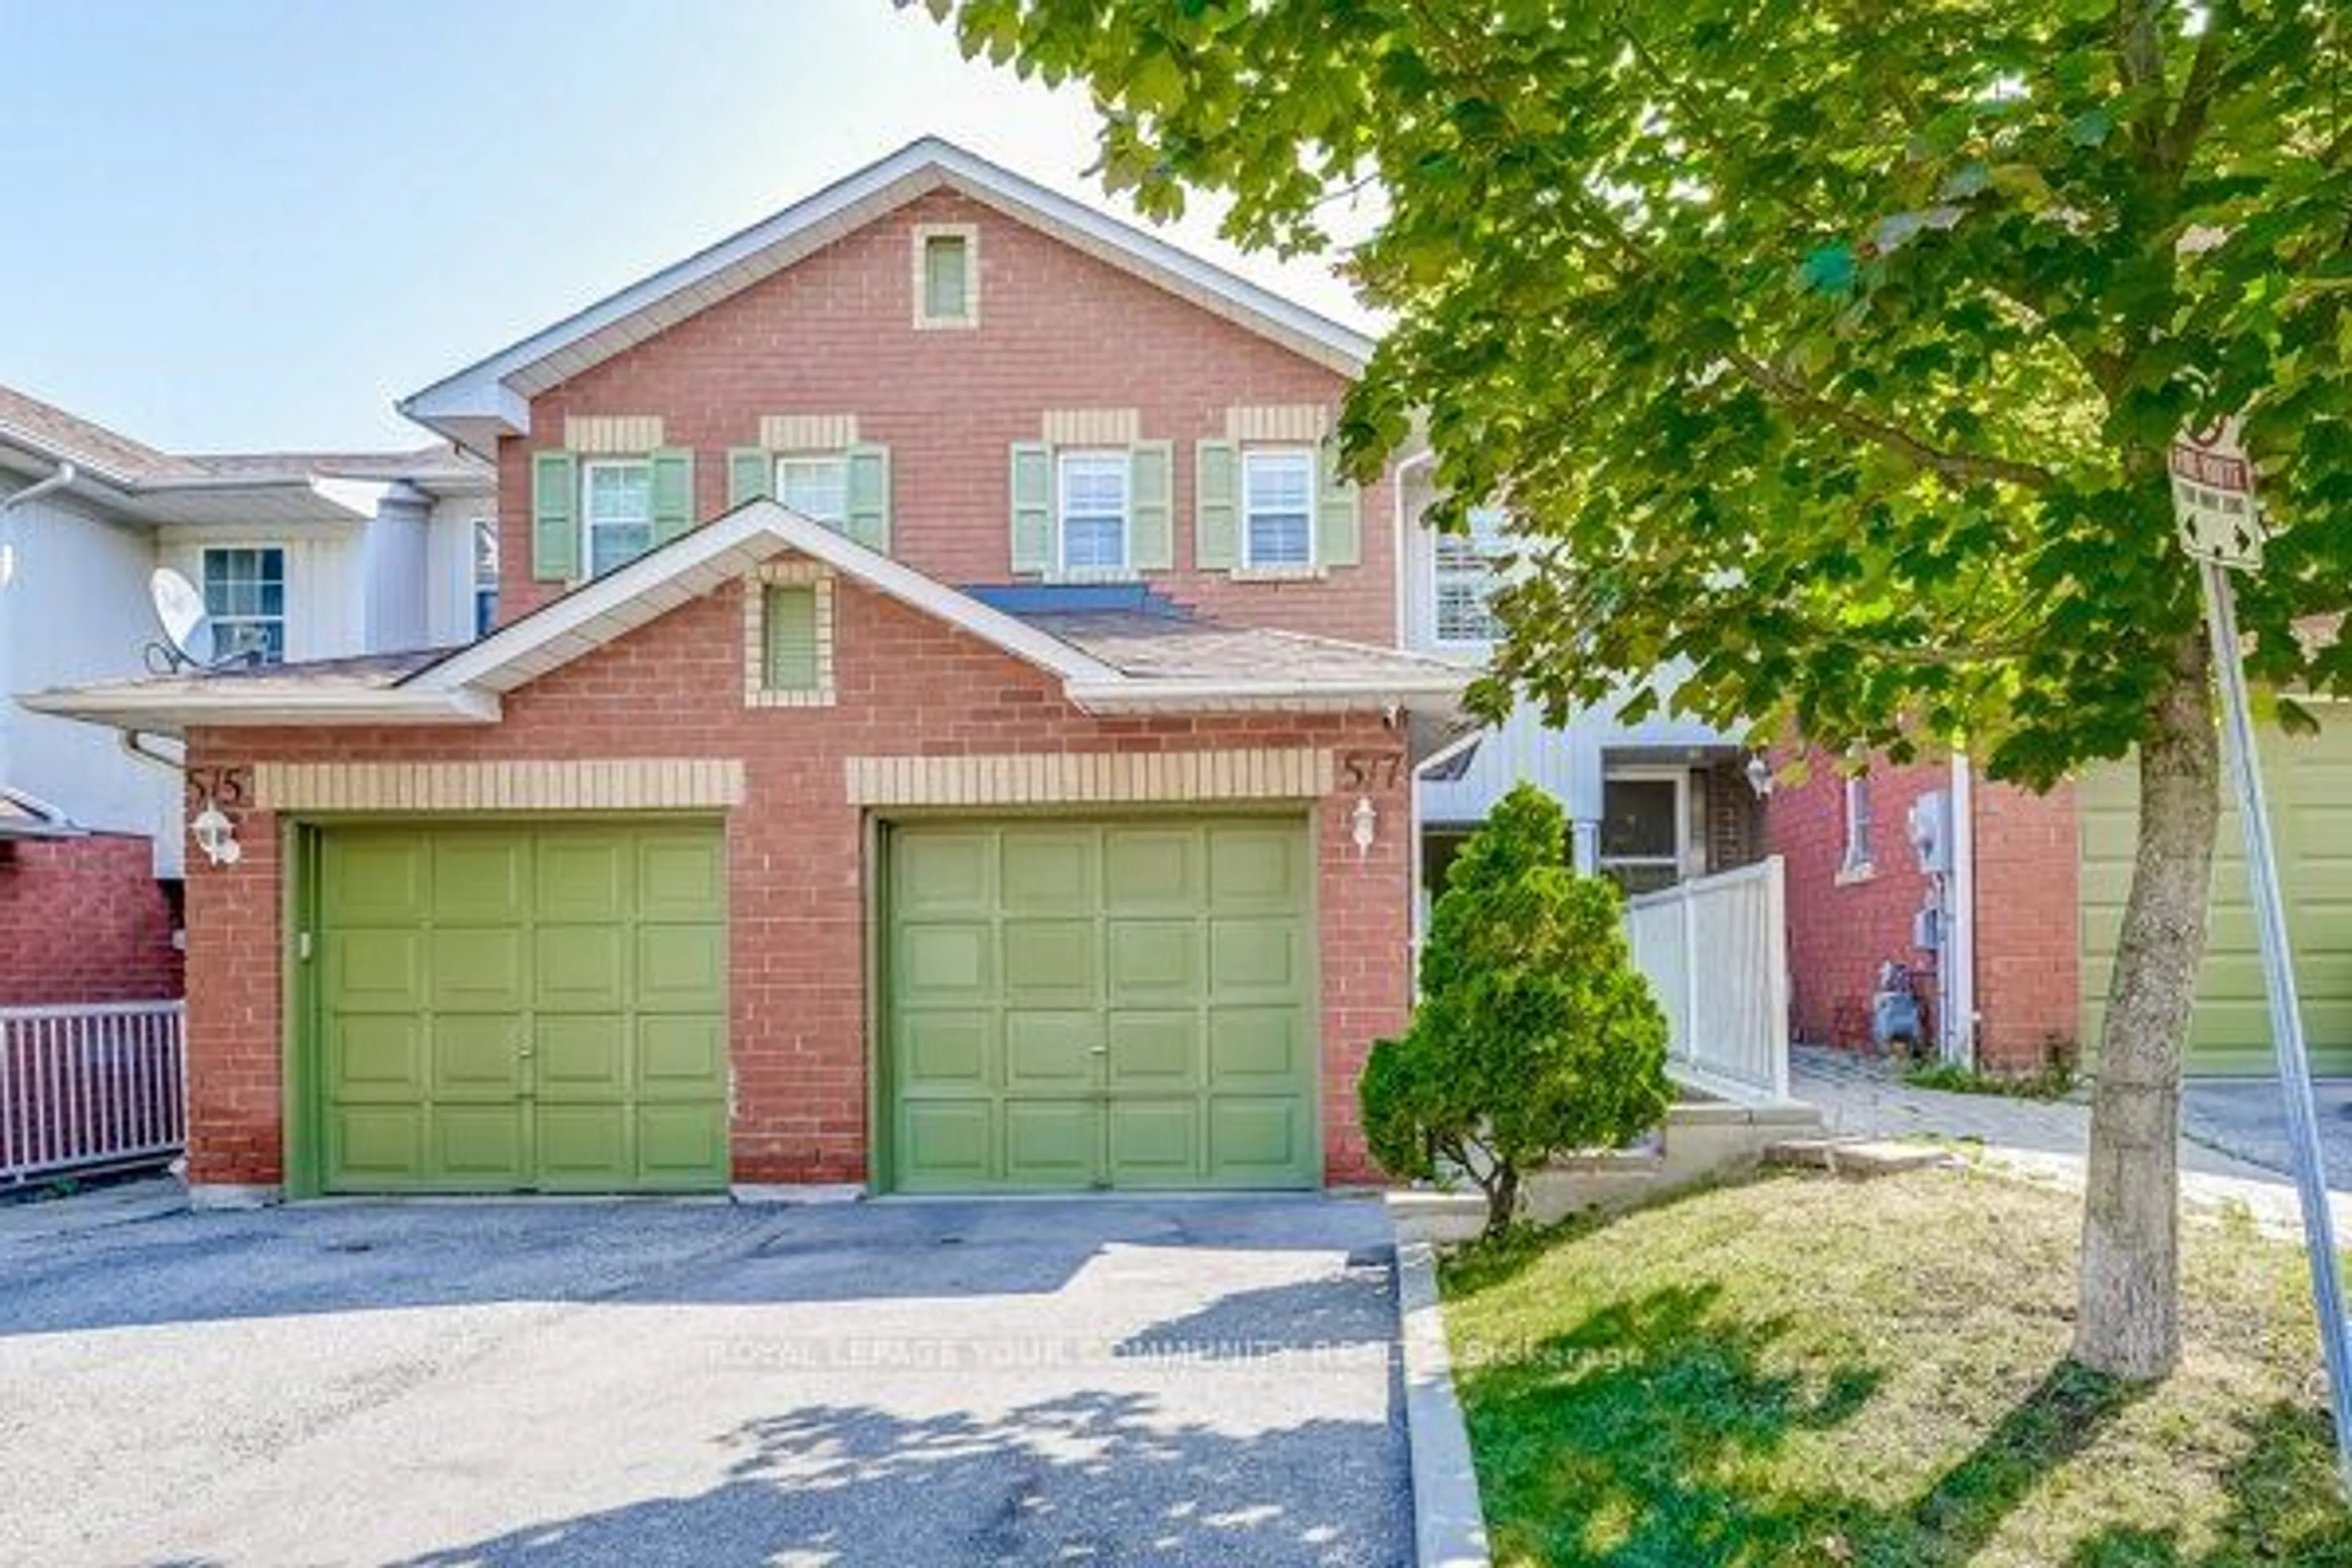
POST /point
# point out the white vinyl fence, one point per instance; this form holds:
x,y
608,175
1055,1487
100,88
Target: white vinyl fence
x,y
89,1086
1717,954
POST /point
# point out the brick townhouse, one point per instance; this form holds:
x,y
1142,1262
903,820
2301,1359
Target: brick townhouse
x,y
945,731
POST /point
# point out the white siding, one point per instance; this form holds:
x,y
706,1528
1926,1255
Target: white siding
x,y
327,604
449,569
1564,763
76,611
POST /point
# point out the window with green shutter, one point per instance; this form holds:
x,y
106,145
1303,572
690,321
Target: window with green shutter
x,y
847,488
789,615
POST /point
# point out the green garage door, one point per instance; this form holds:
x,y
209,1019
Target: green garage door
x,y
2310,791
1101,1005
507,1008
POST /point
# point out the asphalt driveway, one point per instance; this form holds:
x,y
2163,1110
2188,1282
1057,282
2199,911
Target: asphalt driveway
x,y
1191,1381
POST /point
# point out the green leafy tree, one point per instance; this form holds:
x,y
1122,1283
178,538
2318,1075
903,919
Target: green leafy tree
x,y
1831,350
1535,1035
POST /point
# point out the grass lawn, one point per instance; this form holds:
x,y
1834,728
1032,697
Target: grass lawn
x,y
1802,1370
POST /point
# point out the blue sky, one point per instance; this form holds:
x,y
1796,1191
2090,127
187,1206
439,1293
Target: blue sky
x,y
252,223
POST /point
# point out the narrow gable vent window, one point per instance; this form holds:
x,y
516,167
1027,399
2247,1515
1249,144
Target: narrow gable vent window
x,y
1279,497
792,637
788,636
947,275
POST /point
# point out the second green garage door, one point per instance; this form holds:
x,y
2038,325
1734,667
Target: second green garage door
x,y
522,1007
1120,1004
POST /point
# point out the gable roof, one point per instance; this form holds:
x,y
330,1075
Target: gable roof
x,y
491,398
108,455
1106,664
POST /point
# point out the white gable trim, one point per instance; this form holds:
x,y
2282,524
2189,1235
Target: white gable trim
x,y
719,552
491,397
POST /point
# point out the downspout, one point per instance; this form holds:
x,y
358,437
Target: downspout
x,y
1960,947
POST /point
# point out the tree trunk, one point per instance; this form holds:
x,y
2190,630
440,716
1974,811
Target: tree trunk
x,y
1502,1200
2129,1321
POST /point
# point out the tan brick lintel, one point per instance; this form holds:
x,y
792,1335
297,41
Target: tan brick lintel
x,y
615,434
1060,778
623,783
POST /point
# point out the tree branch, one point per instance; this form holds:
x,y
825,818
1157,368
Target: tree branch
x,y
1953,467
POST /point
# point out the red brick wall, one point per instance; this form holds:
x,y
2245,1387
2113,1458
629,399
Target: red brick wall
x,y
1839,931
84,920
906,685
835,334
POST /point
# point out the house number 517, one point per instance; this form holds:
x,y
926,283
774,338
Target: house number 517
x,y
1370,770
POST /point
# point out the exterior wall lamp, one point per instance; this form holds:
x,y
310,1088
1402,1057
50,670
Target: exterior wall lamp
x,y
1363,824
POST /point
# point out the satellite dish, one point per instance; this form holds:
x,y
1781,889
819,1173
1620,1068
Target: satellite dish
x,y
187,630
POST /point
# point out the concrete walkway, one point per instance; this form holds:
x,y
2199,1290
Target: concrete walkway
x,y
1196,1381
2233,1151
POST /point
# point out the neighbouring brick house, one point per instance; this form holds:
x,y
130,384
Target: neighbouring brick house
x,y
945,731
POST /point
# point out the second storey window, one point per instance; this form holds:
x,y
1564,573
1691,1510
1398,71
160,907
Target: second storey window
x,y
1467,571
618,512
486,576
1278,506
245,593
1094,509
816,488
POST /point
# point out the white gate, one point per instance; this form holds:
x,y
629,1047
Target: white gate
x,y
1715,950
92,1085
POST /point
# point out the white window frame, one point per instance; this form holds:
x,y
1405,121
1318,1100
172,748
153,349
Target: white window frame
x,y
838,462
1250,456
1123,459
224,623
1858,816
589,469
1680,863
1484,549
485,595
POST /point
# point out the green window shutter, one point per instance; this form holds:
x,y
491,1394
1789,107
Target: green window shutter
x,y
1033,506
673,493
751,475
788,616
1338,513
869,495
1152,506
555,517
1216,506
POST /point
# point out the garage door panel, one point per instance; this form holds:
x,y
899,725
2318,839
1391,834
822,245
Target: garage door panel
x,y
373,879
1154,1050
953,1051
477,969
1250,958
682,1057
478,1057
945,1145
1155,1142
1258,1139
374,1057
1051,963
1257,1043
1156,960
378,971
583,1057
485,1145
942,874
534,1006
1255,868
681,967
1053,1051
681,1145
1052,1143
580,969
1148,869
942,962
479,878
1048,871
582,877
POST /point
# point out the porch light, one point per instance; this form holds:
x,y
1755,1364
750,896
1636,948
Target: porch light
x,y
1363,822
1760,775
216,834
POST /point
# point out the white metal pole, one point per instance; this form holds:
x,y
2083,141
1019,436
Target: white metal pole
x,y
2286,1011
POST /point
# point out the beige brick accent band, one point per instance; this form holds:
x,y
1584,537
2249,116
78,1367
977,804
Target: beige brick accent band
x,y
1307,422
1093,426
612,435
1302,773
625,784
808,432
